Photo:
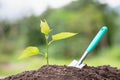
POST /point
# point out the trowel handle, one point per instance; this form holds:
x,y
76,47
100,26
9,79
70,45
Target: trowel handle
x,y
97,39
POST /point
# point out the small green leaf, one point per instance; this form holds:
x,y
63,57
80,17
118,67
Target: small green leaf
x,y
45,29
62,35
28,52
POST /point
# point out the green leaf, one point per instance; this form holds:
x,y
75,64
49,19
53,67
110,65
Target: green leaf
x,y
28,52
45,29
62,35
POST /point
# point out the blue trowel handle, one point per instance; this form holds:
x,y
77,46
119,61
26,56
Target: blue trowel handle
x,y
97,39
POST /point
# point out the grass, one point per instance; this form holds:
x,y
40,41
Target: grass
x,y
106,57
30,64
109,56
102,61
36,63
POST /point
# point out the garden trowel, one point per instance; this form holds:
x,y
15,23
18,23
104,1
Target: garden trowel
x,y
95,41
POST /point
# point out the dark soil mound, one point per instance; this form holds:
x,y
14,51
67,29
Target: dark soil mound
x,y
53,72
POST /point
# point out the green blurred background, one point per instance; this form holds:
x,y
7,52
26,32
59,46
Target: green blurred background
x,y
85,17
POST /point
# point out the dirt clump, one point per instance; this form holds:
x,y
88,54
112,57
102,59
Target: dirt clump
x,y
54,72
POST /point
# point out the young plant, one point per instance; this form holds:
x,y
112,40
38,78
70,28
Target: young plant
x,y
45,29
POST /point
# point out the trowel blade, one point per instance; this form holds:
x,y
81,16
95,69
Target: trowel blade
x,y
74,63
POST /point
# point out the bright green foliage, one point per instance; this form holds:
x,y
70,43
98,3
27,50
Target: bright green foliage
x,y
62,35
45,29
28,52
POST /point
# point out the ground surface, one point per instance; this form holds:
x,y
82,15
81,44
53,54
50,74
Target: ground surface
x,y
53,72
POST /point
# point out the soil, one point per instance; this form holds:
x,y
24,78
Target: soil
x,y
54,72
